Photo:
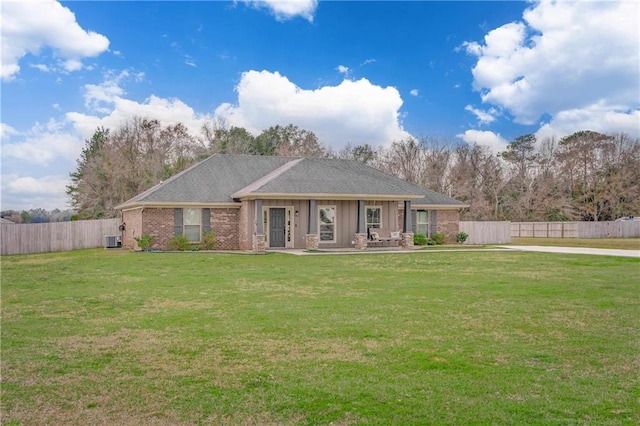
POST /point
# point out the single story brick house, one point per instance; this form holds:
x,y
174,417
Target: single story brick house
x,y
262,202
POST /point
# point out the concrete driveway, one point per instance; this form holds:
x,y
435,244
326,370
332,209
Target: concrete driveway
x,y
577,250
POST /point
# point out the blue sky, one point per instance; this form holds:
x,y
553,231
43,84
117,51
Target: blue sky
x,y
352,72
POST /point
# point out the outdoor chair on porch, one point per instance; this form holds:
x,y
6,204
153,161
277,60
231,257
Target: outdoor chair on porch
x,y
383,237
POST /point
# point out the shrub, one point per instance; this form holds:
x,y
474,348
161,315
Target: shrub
x,y
419,239
179,242
209,241
438,238
461,237
144,241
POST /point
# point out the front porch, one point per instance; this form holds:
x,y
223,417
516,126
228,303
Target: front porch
x,y
314,225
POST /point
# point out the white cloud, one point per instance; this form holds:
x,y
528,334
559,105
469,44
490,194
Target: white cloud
x,y
26,192
353,112
288,9
188,60
343,70
484,117
72,65
562,57
109,107
30,185
101,97
42,144
414,92
6,132
28,26
598,118
491,140
368,61
41,67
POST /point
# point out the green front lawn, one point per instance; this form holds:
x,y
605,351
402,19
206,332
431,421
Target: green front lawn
x,y
111,337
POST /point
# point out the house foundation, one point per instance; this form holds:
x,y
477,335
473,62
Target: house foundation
x,y
259,244
361,241
407,240
312,241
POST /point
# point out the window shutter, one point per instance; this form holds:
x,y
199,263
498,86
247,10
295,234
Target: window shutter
x,y
413,221
177,221
206,221
433,219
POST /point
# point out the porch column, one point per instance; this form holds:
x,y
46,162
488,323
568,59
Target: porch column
x,y
407,226
259,245
361,232
361,218
312,239
259,221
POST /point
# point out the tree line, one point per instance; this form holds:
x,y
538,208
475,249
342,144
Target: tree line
x,y
584,176
38,215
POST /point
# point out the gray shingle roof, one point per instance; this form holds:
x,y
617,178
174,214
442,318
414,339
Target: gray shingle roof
x,y
210,181
223,177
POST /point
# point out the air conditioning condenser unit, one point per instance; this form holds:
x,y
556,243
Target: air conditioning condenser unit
x,y
112,241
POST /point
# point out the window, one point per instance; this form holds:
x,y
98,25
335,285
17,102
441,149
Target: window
x,y
374,217
327,222
192,219
422,222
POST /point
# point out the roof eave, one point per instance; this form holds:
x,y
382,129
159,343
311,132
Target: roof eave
x,y
439,206
324,196
167,204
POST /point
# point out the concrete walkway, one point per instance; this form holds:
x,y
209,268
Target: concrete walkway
x,y
577,250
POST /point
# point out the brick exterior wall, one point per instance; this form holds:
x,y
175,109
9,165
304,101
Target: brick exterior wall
x,y
225,224
449,224
243,221
159,224
133,227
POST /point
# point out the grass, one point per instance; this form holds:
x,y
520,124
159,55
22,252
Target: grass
x,y
110,337
605,243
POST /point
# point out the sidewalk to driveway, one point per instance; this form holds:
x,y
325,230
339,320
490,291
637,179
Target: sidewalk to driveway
x,y
577,250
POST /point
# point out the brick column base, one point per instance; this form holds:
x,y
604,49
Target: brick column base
x,y
259,244
361,241
312,241
407,240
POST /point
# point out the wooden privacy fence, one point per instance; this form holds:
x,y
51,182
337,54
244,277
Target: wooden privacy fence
x,y
544,229
60,236
617,229
487,232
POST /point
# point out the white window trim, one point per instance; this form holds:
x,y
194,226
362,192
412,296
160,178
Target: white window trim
x,y
184,224
335,220
366,224
423,223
